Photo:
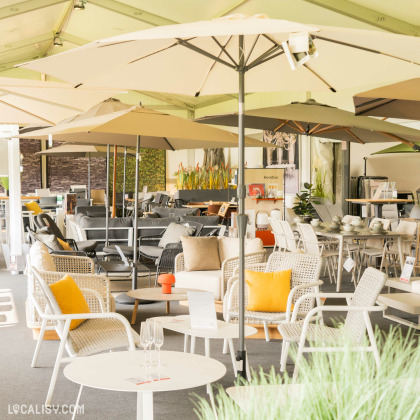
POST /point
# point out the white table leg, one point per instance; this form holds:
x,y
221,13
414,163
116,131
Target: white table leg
x,y
340,261
207,347
77,402
232,355
186,339
192,350
145,405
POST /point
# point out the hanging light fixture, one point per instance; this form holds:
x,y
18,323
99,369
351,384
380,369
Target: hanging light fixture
x,y
57,40
79,5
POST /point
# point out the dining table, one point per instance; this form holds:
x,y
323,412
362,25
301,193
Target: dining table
x,y
362,233
378,203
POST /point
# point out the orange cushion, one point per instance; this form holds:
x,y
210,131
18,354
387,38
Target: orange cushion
x,y
64,245
32,206
70,299
268,292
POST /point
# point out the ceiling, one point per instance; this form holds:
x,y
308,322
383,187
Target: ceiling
x,y
28,28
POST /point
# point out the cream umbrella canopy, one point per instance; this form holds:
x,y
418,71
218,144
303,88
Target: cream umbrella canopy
x,y
212,57
37,102
154,129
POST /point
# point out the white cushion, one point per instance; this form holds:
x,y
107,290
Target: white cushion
x,y
229,247
40,258
208,281
415,286
173,234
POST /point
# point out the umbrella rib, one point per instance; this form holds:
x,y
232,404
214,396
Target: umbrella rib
x,y
27,112
299,125
329,129
290,125
348,131
264,55
346,44
224,49
281,125
314,128
202,52
265,60
252,48
169,144
320,78
393,136
374,101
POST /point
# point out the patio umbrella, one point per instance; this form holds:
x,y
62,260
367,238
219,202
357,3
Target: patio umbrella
x,y
76,151
398,100
154,129
212,57
36,102
314,119
400,148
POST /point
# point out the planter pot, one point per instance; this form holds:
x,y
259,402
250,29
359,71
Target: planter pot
x,y
307,219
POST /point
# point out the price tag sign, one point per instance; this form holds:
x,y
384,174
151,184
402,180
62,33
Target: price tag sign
x,y
349,264
408,269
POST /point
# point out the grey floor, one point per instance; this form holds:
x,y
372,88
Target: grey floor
x,y
21,384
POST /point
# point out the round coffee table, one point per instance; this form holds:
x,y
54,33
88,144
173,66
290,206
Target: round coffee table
x,y
155,293
115,372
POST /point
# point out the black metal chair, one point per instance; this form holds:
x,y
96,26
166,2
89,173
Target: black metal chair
x,y
44,220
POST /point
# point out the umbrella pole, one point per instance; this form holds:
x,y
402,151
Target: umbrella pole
x,y
242,217
114,183
107,196
125,169
136,210
88,176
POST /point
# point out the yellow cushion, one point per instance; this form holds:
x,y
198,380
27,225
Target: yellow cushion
x,y
268,292
64,245
70,299
32,206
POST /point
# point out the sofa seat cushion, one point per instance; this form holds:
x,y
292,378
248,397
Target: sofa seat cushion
x,y
111,250
151,251
208,281
165,211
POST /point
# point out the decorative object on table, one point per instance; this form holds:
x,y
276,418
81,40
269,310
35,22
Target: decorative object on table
x,y
315,222
256,190
378,226
166,280
304,206
334,226
202,310
348,227
298,219
262,222
357,221
276,214
337,219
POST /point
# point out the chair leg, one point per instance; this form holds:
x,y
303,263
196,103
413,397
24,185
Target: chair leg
x,y
57,364
372,340
298,357
284,353
225,346
39,343
266,332
77,402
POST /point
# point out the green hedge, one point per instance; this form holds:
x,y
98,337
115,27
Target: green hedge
x,y
152,171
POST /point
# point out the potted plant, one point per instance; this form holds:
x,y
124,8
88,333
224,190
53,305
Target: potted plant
x,y
4,182
304,207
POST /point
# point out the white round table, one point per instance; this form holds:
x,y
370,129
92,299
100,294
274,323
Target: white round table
x,y
225,331
111,371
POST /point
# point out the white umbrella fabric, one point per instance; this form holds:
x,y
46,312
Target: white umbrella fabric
x,y
36,102
212,57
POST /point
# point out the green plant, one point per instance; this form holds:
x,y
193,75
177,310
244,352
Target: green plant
x,y
4,182
304,206
204,178
335,385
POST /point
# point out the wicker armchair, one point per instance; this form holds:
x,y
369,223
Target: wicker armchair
x,y
305,279
359,305
102,330
227,268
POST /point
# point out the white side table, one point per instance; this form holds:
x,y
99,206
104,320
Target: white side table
x,y
225,331
110,371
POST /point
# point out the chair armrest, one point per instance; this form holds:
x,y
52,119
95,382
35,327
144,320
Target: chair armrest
x,y
74,264
294,290
179,263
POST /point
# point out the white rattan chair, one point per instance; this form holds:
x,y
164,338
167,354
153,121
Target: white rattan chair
x,y
291,240
305,279
102,330
359,305
279,236
311,245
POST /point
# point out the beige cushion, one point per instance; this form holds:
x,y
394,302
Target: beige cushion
x,y
229,247
208,281
41,259
200,253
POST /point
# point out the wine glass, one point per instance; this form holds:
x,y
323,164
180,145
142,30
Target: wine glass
x,y
150,324
145,337
158,339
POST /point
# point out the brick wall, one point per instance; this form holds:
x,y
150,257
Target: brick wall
x,y
31,175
